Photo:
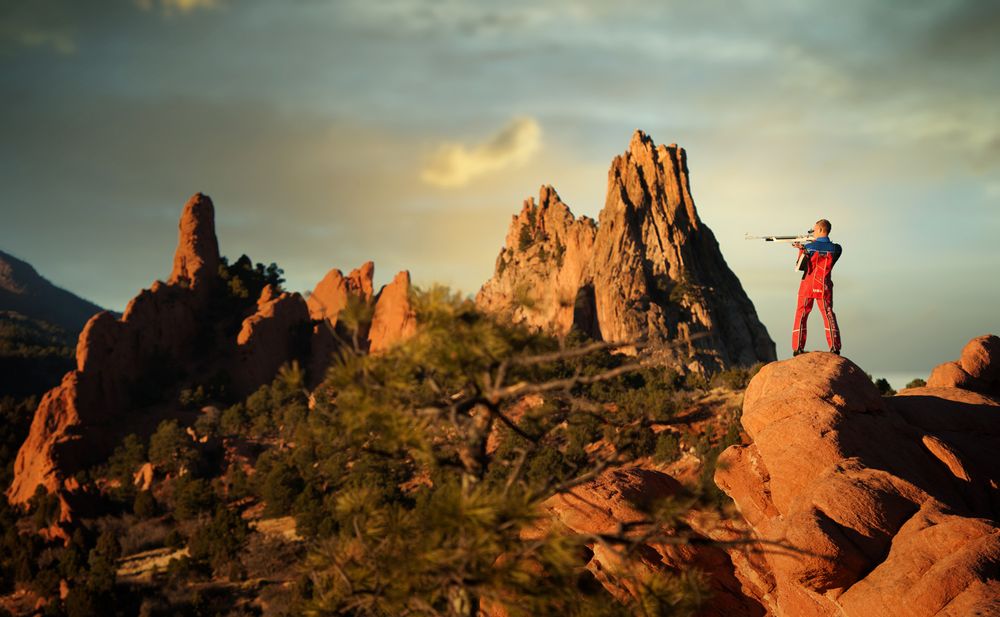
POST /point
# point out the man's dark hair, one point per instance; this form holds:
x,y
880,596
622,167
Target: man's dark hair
x,y
824,225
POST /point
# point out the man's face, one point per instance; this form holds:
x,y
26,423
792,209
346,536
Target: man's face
x,y
817,231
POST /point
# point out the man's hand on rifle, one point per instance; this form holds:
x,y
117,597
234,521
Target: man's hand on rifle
x,y
798,245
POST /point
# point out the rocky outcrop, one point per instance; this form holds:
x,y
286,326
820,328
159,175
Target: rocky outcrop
x,y
168,333
277,332
975,369
129,369
375,322
196,261
650,270
614,502
543,272
394,319
332,294
157,332
867,505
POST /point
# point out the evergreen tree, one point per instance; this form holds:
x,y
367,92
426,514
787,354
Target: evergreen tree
x,y
431,520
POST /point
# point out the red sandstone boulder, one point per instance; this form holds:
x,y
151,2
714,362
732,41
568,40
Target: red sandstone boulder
x,y
885,506
614,503
977,369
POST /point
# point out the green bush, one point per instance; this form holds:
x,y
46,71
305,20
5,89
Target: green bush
x,y
280,487
171,448
217,543
883,386
668,448
144,505
192,496
916,383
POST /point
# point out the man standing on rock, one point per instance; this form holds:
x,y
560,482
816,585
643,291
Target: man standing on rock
x,y
819,256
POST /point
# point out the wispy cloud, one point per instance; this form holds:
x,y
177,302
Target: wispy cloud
x,y
58,41
456,164
181,6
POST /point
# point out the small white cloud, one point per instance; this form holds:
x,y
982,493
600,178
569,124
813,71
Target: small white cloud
x,y
456,164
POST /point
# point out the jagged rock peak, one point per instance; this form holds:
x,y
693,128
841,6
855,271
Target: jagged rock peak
x,y
196,261
650,269
331,294
543,264
394,319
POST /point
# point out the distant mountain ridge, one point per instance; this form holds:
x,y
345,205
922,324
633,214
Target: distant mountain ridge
x,y
23,290
39,325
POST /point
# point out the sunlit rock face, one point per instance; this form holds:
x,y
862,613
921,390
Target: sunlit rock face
x,y
889,505
649,269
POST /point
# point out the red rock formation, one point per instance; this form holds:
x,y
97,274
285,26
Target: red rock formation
x,y
975,369
543,280
159,338
159,327
275,334
892,501
614,499
196,261
394,319
650,270
331,294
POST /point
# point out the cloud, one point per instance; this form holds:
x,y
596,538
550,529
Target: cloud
x,y
456,164
60,42
182,6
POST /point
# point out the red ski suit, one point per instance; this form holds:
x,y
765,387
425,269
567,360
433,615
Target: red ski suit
x,y
816,284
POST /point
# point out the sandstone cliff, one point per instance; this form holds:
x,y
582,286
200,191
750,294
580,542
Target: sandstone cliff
x,y
890,505
650,269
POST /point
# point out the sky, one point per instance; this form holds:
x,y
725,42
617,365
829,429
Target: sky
x,y
330,133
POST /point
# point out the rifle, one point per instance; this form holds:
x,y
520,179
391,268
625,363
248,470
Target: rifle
x,y
801,264
807,237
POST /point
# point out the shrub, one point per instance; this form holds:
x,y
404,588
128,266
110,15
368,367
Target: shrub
x,y
883,386
192,496
736,378
217,543
234,420
668,448
916,383
171,448
144,505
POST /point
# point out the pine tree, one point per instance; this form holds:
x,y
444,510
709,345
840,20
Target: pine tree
x,y
429,517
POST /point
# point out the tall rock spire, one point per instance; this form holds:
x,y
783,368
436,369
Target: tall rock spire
x,y
196,261
650,269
